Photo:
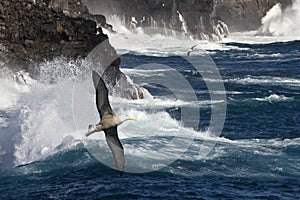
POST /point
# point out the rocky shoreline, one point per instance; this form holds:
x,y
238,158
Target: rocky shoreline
x,y
203,19
38,30
35,31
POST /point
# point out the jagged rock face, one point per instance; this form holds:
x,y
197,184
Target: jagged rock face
x,y
73,8
36,32
33,31
241,15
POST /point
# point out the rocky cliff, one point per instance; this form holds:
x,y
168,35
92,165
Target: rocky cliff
x,y
32,31
199,19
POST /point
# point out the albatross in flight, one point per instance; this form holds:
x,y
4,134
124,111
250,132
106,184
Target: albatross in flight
x,y
108,123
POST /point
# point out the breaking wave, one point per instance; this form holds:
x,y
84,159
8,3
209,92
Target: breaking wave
x,y
282,22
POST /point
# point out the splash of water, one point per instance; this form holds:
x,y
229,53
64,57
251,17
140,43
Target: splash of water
x,y
279,22
161,45
47,125
44,113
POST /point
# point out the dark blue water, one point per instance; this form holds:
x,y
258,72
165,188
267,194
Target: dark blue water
x,y
258,156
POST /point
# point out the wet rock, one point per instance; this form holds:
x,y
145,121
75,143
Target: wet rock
x,y
73,8
34,31
99,19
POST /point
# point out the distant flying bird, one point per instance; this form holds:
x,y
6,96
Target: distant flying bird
x,y
191,50
108,123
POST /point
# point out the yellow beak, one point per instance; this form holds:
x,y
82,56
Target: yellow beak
x,y
132,118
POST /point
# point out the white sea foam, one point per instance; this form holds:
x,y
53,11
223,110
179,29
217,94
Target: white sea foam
x,y
282,26
11,94
267,80
2,152
139,43
274,98
263,147
271,146
263,55
278,22
10,88
157,103
3,122
47,114
277,26
144,73
46,122
48,126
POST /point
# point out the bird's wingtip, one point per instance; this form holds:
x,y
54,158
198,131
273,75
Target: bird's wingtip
x,y
96,78
94,73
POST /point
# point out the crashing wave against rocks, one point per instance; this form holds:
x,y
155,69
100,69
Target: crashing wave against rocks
x,y
35,31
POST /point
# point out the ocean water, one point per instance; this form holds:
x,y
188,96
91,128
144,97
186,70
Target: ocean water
x,y
44,154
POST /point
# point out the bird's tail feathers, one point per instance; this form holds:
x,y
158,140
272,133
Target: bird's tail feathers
x,y
91,126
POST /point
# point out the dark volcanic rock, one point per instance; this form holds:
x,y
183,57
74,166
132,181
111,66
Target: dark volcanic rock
x,y
32,31
100,20
73,8
36,32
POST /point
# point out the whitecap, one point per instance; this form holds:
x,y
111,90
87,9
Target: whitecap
x,y
265,80
274,98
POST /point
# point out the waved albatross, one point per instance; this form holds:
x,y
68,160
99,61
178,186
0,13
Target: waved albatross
x,y
108,123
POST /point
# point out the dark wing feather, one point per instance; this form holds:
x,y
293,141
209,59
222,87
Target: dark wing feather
x,y
102,101
116,147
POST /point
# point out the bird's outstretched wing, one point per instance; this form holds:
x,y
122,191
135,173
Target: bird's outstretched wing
x,y
102,101
116,147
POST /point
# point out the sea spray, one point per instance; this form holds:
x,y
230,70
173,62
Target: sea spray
x,y
282,22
